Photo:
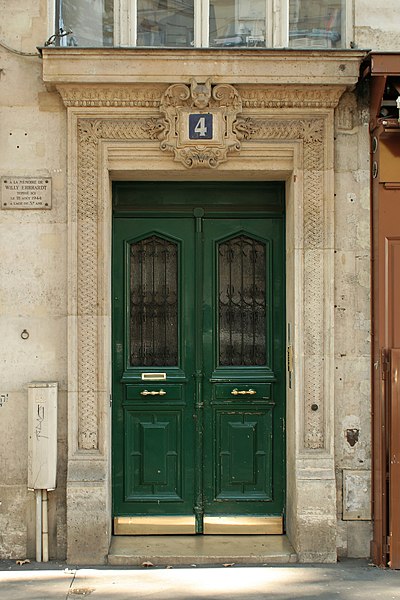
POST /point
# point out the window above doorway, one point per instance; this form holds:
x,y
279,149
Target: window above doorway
x,y
312,24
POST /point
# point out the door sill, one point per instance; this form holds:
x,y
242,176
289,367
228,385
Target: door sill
x,y
221,525
240,525
154,525
200,550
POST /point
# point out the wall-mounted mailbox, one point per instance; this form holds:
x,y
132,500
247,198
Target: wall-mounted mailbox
x,y
42,435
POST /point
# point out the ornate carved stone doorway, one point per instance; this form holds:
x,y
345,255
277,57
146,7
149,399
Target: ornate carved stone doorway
x,y
268,132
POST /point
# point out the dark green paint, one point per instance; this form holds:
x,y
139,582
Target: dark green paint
x,y
198,449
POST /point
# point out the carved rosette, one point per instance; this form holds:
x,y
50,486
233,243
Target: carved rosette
x,y
179,101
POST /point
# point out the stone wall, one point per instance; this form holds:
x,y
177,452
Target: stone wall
x,y
33,250
377,25
352,324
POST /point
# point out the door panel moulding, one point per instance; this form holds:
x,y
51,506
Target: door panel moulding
x,y
291,144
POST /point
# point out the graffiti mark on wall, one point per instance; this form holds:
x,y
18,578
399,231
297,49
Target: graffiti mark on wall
x,y
40,422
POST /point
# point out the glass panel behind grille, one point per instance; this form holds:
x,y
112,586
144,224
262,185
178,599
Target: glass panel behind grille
x,y
242,311
154,303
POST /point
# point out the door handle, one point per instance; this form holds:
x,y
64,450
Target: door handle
x,y
250,392
153,393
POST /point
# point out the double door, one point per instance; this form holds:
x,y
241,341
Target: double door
x,y
198,372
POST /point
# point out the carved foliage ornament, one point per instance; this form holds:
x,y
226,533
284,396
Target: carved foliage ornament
x,y
213,106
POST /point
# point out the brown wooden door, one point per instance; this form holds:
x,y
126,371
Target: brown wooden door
x,y
392,378
394,458
386,349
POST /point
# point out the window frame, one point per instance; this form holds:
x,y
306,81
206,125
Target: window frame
x,y
125,23
276,24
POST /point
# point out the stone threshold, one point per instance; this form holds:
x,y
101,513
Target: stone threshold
x,y
200,550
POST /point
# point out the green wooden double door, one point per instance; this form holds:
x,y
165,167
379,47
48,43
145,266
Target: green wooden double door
x,y
198,358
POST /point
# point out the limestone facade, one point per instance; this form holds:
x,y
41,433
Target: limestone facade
x,y
87,117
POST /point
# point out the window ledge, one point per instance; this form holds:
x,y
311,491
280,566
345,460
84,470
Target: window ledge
x,y
245,66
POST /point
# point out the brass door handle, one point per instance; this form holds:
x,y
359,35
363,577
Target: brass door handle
x,y
250,392
153,393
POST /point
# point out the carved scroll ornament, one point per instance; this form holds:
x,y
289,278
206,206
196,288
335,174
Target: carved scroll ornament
x,y
179,101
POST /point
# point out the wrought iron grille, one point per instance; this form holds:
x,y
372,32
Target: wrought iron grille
x,y
242,302
154,303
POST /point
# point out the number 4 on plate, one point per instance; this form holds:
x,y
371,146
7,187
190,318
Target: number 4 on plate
x,y
200,126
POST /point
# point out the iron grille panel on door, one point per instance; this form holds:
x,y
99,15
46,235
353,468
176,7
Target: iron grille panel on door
x,y
154,303
242,314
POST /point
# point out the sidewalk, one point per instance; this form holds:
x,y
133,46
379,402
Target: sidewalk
x,y
347,580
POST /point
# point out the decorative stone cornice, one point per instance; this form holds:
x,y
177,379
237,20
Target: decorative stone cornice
x,y
113,96
150,96
279,96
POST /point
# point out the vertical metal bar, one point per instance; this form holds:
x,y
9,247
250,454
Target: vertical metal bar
x,y
242,301
230,251
254,303
45,527
165,308
153,284
38,497
199,403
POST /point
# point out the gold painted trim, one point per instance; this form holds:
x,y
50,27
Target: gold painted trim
x,y
243,525
154,525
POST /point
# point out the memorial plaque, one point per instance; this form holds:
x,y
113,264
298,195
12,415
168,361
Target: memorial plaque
x,y
25,193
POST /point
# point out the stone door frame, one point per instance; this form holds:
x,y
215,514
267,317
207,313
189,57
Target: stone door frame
x,y
285,136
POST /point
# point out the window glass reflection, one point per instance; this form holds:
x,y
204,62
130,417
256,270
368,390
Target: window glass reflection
x,y
316,24
236,23
165,22
90,21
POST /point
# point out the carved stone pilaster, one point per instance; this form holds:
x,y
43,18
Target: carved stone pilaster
x,y
90,132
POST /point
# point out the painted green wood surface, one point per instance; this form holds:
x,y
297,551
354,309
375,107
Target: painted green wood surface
x,y
198,449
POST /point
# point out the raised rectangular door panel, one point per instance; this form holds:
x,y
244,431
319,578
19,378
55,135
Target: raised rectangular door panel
x,y
154,462
243,453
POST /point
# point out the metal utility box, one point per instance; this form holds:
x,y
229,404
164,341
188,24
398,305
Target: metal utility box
x,y
42,435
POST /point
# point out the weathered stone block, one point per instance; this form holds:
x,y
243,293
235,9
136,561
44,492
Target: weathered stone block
x,y
359,536
13,520
88,523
